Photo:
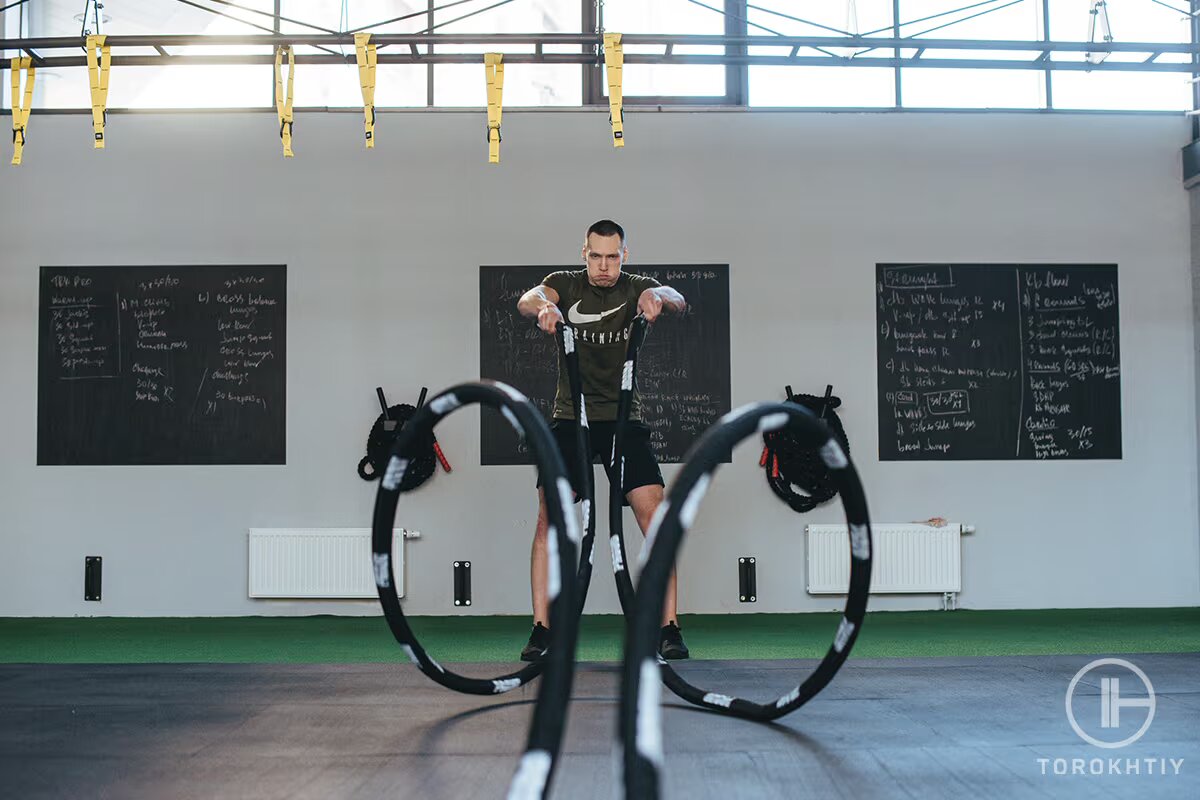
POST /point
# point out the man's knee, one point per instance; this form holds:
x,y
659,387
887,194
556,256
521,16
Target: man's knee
x,y
644,499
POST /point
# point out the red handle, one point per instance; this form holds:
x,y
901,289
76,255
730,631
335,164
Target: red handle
x,y
437,448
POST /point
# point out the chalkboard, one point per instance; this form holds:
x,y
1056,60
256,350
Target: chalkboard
x,y
998,361
162,365
683,367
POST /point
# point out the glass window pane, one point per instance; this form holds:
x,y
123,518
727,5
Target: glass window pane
x,y
544,16
672,80
950,19
1141,21
335,15
188,86
524,84
178,86
56,87
181,86
829,18
973,88
667,16
1071,20
1123,91
337,86
129,17
828,87
663,16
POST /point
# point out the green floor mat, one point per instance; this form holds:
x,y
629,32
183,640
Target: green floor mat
x,y
710,636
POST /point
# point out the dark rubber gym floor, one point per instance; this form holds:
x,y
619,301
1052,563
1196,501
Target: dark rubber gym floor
x,y
908,728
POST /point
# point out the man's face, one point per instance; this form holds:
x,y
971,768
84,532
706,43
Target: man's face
x,y
604,256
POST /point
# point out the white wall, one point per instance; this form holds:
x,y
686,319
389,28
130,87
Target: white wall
x,y
382,249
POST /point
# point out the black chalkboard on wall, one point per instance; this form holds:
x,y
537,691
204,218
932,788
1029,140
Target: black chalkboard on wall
x,y
683,368
162,365
998,361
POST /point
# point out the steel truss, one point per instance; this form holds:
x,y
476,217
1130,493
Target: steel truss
x,y
908,52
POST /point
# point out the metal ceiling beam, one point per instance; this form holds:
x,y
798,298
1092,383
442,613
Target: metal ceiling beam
x,y
628,40
916,61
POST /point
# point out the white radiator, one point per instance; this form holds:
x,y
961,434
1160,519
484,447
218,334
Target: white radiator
x,y
318,562
907,559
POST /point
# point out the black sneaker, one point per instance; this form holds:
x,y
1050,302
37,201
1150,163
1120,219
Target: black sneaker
x,y
672,647
539,640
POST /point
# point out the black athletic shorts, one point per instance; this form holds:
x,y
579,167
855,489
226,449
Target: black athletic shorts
x,y
641,468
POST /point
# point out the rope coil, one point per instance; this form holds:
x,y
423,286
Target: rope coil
x,y
789,465
383,435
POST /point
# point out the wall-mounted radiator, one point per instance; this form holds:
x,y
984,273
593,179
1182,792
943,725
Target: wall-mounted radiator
x,y
318,562
917,559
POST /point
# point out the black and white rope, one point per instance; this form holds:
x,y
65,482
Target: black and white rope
x,y
568,343
796,474
532,779
379,448
616,494
533,775
640,728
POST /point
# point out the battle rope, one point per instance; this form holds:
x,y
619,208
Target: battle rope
x,y
640,725
383,435
546,729
568,345
790,466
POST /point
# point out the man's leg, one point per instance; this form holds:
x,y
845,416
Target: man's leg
x,y
538,562
645,500
539,557
539,638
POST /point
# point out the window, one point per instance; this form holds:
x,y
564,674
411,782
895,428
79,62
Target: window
x,y
337,85
824,87
973,88
832,86
179,86
524,84
1134,21
1087,80
667,16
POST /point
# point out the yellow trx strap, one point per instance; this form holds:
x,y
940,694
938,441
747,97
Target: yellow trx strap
x,y
365,54
614,63
283,103
21,108
494,68
98,66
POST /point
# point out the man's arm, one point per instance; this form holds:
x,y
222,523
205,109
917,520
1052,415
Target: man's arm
x,y
658,299
541,302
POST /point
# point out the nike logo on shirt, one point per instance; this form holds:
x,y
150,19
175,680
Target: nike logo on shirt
x,y
577,317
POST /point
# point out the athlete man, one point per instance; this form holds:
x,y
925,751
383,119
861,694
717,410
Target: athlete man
x,y
600,302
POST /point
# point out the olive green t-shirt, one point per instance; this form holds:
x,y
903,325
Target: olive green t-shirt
x,y
601,318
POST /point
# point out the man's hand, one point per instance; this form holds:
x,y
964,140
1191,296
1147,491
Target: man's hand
x,y
549,318
650,305
541,302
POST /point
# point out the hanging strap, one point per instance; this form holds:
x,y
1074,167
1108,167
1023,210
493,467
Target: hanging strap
x,y
365,55
98,67
283,103
1098,24
614,64
21,106
494,69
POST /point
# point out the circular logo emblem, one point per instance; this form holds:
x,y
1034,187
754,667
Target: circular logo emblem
x,y
1112,704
